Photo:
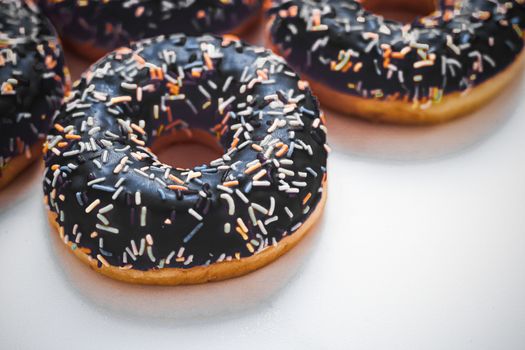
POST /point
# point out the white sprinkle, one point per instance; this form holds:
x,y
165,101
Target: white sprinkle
x,y
242,196
231,203
195,214
107,228
272,206
252,215
103,219
106,209
260,208
149,249
117,193
143,212
262,227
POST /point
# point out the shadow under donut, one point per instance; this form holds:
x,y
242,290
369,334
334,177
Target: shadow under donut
x,y
183,305
364,139
25,182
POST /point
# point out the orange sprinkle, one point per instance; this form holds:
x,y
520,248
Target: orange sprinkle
x,y
50,62
59,127
138,128
138,142
228,39
302,85
138,59
235,142
208,61
176,179
282,151
307,198
102,260
241,232
156,73
173,88
201,14
252,168
196,73
73,137
230,183
262,74
177,188
119,99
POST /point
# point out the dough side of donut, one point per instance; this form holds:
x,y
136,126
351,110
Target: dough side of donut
x,y
18,163
200,274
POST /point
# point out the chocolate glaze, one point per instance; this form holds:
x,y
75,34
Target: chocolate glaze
x,y
32,77
116,201
347,48
111,24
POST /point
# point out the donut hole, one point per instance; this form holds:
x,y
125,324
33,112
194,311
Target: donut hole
x,y
405,11
187,150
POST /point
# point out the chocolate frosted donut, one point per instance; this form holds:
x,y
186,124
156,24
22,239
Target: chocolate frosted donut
x,y
95,27
432,69
139,220
32,84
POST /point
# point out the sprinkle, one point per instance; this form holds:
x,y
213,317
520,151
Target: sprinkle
x,y
262,227
107,228
242,225
92,206
289,212
231,203
193,232
143,213
195,214
102,260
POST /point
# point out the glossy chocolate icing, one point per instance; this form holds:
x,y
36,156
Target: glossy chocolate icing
x,y
111,24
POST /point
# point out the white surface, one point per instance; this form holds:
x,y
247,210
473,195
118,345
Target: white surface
x,y
422,246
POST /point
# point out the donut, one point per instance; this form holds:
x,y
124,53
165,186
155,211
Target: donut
x,y
135,219
33,80
93,28
431,70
